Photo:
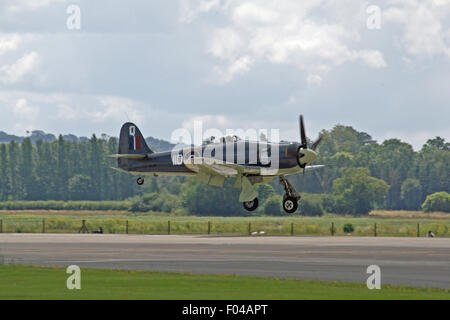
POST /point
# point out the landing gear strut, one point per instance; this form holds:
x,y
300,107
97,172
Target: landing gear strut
x,y
251,205
140,181
291,197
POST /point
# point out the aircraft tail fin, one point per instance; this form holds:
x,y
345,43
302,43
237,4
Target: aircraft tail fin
x,y
131,140
132,145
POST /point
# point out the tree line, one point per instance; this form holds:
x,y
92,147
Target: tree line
x,y
62,170
411,175
359,175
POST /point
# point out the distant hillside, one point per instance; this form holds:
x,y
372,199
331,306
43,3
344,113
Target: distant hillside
x,y
39,135
159,145
154,143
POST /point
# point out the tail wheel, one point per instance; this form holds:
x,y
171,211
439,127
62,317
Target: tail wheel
x,y
251,205
140,181
290,204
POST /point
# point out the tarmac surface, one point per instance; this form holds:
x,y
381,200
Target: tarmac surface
x,y
403,261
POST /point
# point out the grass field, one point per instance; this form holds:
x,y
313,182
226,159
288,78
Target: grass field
x,y
24,282
404,214
29,221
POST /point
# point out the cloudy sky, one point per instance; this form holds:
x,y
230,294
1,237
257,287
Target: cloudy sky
x,y
233,64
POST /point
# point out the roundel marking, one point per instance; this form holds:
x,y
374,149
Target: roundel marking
x,y
191,155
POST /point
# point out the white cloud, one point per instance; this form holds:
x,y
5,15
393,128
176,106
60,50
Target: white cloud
x,y
240,66
425,32
59,112
288,33
115,108
25,115
23,109
15,72
254,13
314,80
9,42
225,43
207,120
65,112
190,9
16,6
372,58
314,56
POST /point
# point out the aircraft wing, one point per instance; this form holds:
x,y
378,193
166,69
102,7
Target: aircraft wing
x,y
228,169
219,167
214,171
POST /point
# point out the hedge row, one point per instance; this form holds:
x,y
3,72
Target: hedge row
x,y
65,205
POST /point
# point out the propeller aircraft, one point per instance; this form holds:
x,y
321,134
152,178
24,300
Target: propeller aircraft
x,y
249,162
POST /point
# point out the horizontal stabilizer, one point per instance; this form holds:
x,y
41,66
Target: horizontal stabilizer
x,y
128,156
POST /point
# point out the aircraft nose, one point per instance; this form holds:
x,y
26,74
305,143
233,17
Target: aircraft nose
x,y
307,156
310,156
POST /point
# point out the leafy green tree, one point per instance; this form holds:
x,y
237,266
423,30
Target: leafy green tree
x,y
113,178
265,191
338,149
395,161
439,201
310,205
343,139
153,184
45,170
411,194
359,190
61,170
439,143
16,191
26,171
433,169
158,202
95,166
273,206
348,228
80,187
342,160
202,199
4,181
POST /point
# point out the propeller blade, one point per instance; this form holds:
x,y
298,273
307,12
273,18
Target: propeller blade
x,y
302,133
316,143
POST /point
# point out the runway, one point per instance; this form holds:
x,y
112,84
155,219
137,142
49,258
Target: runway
x,y
403,261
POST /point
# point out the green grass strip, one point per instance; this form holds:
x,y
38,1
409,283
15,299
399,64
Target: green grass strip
x,y
28,282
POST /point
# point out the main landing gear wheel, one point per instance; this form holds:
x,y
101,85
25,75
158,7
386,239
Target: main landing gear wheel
x,y
251,205
290,204
140,181
291,197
